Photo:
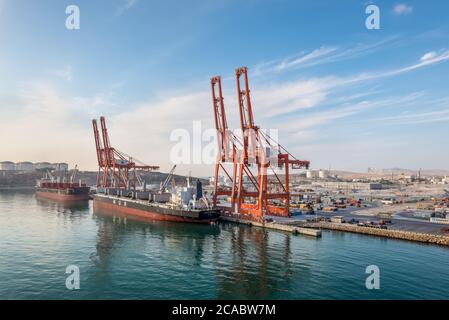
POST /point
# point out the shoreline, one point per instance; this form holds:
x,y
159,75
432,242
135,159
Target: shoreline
x,y
18,188
428,238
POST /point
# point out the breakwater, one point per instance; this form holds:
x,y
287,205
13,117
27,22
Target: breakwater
x,y
388,233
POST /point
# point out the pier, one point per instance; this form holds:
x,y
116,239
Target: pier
x,y
275,226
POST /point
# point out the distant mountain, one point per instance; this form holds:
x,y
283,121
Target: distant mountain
x,y
424,172
386,173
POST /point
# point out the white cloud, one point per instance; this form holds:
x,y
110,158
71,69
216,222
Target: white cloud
x,y
402,9
322,55
64,73
48,125
320,118
406,118
426,60
283,98
428,56
305,58
292,96
128,4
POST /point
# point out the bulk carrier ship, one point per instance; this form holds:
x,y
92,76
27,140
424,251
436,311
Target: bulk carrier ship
x,y
180,205
53,189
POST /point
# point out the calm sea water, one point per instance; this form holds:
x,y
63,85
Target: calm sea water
x,y
134,260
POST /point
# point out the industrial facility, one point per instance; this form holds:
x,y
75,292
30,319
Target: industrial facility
x,y
27,166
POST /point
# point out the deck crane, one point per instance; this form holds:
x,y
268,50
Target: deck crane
x,y
227,150
116,169
258,195
73,175
167,180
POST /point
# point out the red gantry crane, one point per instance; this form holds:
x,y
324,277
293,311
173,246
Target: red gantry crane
x,y
265,191
262,194
116,169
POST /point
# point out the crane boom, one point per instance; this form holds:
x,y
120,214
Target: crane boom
x,y
167,180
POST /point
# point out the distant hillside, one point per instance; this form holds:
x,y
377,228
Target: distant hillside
x,y
386,173
28,179
424,172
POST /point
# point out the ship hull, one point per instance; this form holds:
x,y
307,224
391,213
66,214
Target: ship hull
x,y
112,205
61,195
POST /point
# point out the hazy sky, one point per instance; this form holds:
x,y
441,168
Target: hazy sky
x,y
339,94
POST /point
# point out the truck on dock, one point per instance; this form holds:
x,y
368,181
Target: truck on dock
x,y
372,224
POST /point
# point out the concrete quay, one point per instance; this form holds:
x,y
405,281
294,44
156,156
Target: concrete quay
x,y
387,233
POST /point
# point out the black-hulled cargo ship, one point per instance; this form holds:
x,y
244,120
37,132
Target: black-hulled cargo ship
x,y
58,189
63,191
153,211
179,206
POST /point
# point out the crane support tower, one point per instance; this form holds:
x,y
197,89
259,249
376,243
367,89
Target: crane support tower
x,y
227,150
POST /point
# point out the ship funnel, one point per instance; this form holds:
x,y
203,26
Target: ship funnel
x,y
199,189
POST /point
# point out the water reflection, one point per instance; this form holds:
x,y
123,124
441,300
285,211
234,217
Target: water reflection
x,y
113,228
244,261
254,269
72,206
72,210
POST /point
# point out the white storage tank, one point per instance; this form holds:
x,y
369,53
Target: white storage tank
x,y
24,166
61,167
323,174
311,174
7,166
43,165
